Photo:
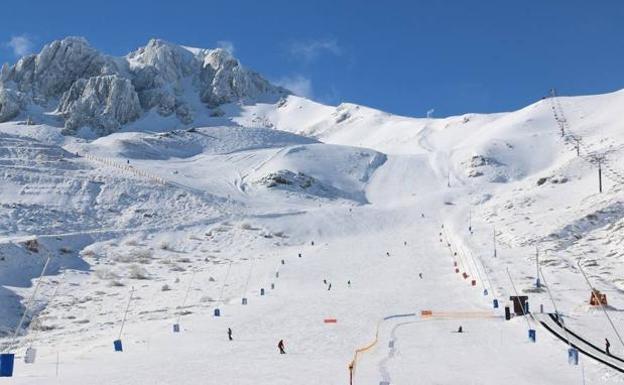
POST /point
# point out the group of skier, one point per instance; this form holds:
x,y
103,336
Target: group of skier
x,y
280,345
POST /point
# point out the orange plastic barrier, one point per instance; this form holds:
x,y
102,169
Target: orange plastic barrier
x,y
361,350
330,320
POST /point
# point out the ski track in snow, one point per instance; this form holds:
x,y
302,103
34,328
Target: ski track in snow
x,y
216,209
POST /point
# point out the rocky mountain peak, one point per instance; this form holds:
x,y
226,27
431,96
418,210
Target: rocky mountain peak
x,y
89,89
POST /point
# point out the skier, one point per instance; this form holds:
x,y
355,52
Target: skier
x,y
349,283
230,334
325,281
388,253
280,346
312,243
404,243
420,275
460,330
329,287
607,346
299,255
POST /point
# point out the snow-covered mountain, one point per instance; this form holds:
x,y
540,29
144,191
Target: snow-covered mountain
x,y
86,88
204,184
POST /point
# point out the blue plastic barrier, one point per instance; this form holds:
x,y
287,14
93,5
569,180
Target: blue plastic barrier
x,y
495,303
532,335
6,364
573,356
217,312
118,346
176,328
262,291
244,301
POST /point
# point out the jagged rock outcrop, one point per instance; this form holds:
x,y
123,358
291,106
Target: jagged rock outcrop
x,y
225,80
10,104
54,70
87,88
103,103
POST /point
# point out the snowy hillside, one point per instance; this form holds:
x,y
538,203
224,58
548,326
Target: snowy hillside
x,y
356,236
95,94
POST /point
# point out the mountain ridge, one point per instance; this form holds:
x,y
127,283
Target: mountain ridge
x,y
82,87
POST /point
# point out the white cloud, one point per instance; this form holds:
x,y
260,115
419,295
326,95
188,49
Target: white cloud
x,y
298,84
21,45
226,45
310,50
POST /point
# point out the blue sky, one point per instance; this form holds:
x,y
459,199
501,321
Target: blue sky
x,y
404,57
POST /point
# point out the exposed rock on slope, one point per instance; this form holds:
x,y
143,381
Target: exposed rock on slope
x,y
87,88
54,70
10,104
101,102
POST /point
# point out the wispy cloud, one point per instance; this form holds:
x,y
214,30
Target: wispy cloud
x,y
298,84
310,50
21,45
226,45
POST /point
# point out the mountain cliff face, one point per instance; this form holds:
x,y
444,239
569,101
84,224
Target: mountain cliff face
x,y
89,89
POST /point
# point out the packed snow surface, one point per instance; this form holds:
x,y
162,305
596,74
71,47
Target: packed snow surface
x,y
342,228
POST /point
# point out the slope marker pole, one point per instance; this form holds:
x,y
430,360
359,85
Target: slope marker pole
x,y
176,326
28,306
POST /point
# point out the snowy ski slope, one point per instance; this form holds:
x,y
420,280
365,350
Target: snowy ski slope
x,y
363,196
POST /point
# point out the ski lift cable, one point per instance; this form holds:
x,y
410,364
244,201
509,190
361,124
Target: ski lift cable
x,y
552,299
563,123
516,292
578,263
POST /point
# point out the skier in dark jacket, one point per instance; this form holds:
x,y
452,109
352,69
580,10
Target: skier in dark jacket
x,y
280,346
230,334
607,346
